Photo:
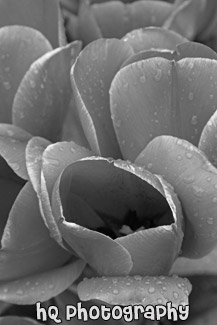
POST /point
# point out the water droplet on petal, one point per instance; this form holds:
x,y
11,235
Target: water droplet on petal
x,y
159,301
115,292
175,295
179,157
214,200
150,165
197,191
158,75
189,155
194,120
189,179
151,290
138,277
15,166
7,85
143,79
211,96
19,292
210,221
190,96
5,290
51,286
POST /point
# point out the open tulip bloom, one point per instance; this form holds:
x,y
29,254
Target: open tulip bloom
x,y
108,164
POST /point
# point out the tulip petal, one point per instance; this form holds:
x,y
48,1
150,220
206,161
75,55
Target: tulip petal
x,y
125,188
102,253
45,92
16,320
59,155
41,286
33,154
13,142
26,245
154,250
91,77
88,29
136,290
51,168
208,138
20,46
205,265
156,96
184,50
187,19
195,181
153,38
115,19
41,15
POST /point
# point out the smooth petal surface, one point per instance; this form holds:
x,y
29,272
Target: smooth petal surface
x,y
20,46
16,320
156,96
194,180
154,250
115,19
26,245
41,286
43,97
91,77
41,15
136,290
153,38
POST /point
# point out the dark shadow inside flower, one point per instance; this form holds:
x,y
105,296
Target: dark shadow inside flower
x,y
10,186
112,199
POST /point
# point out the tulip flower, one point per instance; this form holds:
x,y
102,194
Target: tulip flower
x,y
88,20
132,190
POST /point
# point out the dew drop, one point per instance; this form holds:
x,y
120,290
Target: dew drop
x,y
32,83
7,85
5,290
142,79
190,96
198,192
179,157
125,86
189,155
150,165
158,75
194,120
51,286
151,290
138,277
115,292
210,221
189,179
114,281
214,200
175,295
19,292
211,96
